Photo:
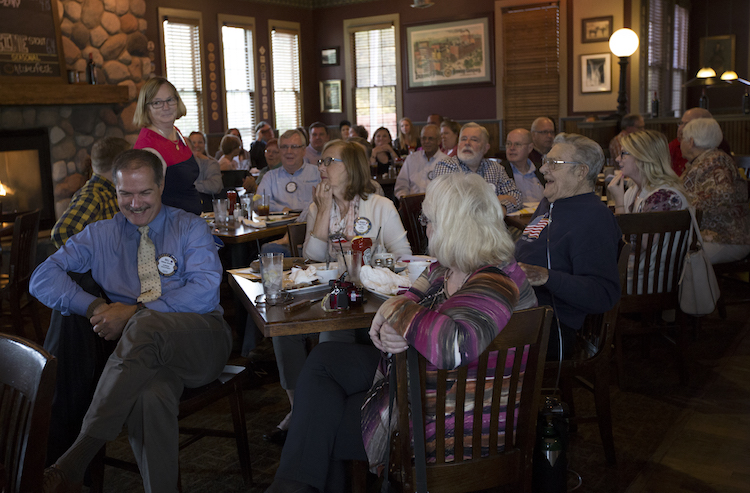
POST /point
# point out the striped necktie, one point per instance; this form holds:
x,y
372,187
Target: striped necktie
x,y
147,273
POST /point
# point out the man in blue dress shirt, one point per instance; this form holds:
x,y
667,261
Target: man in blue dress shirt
x,y
290,187
171,333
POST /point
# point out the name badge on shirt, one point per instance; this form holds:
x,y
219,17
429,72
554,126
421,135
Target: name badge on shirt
x,y
431,175
291,187
166,264
362,225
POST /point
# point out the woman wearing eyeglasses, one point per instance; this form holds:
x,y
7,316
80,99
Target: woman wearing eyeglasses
x,y
345,203
569,249
159,105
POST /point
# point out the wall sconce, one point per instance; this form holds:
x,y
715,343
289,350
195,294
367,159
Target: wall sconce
x,y
623,43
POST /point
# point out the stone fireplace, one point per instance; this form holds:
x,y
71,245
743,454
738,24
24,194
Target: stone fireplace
x,y
75,116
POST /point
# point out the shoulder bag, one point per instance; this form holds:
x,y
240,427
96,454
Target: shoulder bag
x,y
698,289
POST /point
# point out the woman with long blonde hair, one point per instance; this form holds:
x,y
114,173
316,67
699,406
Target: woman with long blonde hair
x,y
408,138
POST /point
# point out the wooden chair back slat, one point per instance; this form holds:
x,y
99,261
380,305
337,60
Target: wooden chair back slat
x,y
27,384
409,209
526,328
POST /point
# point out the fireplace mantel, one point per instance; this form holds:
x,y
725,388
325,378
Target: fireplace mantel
x,y
61,94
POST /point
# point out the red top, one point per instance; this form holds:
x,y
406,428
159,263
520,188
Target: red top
x,y
164,146
679,162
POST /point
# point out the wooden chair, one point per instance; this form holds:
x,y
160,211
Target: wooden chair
x,y
657,239
297,233
27,383
15,284
228,385
724,273
410,207
510,452
589,367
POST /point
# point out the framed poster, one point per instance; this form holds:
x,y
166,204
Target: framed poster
x,y
330,96
596,29
329,56
717,52
449,53
596,73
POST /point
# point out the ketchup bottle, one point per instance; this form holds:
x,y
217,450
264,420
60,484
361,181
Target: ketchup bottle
x,y
364,245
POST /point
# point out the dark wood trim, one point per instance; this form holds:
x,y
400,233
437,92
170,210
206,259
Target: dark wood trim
x,y
61,94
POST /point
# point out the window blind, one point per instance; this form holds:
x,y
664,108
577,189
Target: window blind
x,y
286,78
666,49
375,81
184,70
531,37
239,79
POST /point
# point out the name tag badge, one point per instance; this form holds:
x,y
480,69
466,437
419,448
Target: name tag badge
x,y
362,225
431,175
166,264
291,187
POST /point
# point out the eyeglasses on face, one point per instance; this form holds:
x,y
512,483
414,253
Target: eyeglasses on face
x,y
554,164
623,154
326,161
424,220
544,132
293,147
159,104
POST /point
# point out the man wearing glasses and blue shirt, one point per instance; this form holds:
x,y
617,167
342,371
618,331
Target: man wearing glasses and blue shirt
x,y
290,187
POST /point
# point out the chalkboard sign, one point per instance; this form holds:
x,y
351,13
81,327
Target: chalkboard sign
x,y
30,47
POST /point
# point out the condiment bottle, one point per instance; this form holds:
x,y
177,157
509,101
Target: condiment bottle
x,y
364,245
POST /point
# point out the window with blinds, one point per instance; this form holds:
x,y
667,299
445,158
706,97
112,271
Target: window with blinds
x,y
531,85
375,77
184,70
286,78
666,52
239,78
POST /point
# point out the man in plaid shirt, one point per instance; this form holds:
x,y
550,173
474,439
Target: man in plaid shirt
x,y
473,144
96,199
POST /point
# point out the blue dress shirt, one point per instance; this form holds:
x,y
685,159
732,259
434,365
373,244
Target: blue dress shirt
x,y
110,250
294,191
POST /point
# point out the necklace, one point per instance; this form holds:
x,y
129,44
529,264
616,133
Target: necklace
x,y
176,142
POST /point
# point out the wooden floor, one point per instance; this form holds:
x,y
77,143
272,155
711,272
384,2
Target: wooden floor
x,y
669,437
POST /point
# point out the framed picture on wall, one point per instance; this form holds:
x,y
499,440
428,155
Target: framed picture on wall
x,y
717,52
596,29
449,53
329,56
330,96
596,73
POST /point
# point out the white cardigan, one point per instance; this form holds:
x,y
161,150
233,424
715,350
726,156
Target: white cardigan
x,y
381,213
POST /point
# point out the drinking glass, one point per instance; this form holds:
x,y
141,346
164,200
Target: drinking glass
x,y
271,271
351,261
263,205
221,212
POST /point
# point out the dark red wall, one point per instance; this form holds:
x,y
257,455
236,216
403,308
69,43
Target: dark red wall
x,y
461,104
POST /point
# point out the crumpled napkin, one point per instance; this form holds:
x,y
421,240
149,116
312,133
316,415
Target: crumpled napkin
x,y
382,280
253,224
303,276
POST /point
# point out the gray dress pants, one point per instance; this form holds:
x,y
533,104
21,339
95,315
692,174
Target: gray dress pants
x,y
157,356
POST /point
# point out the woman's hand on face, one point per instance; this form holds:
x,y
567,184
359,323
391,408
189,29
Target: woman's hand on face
x,y
323,196
537,276
616,188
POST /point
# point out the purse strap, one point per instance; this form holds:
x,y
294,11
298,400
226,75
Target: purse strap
x,y
420,455
386,487
694,228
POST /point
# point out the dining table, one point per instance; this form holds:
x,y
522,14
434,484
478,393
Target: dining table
x,y
237,234
273,320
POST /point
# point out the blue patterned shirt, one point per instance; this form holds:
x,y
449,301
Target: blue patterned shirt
x,y
492,172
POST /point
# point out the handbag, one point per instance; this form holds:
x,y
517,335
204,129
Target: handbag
x,y
698,289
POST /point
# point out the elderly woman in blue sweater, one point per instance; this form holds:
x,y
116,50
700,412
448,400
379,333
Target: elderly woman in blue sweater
x,y
569,249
